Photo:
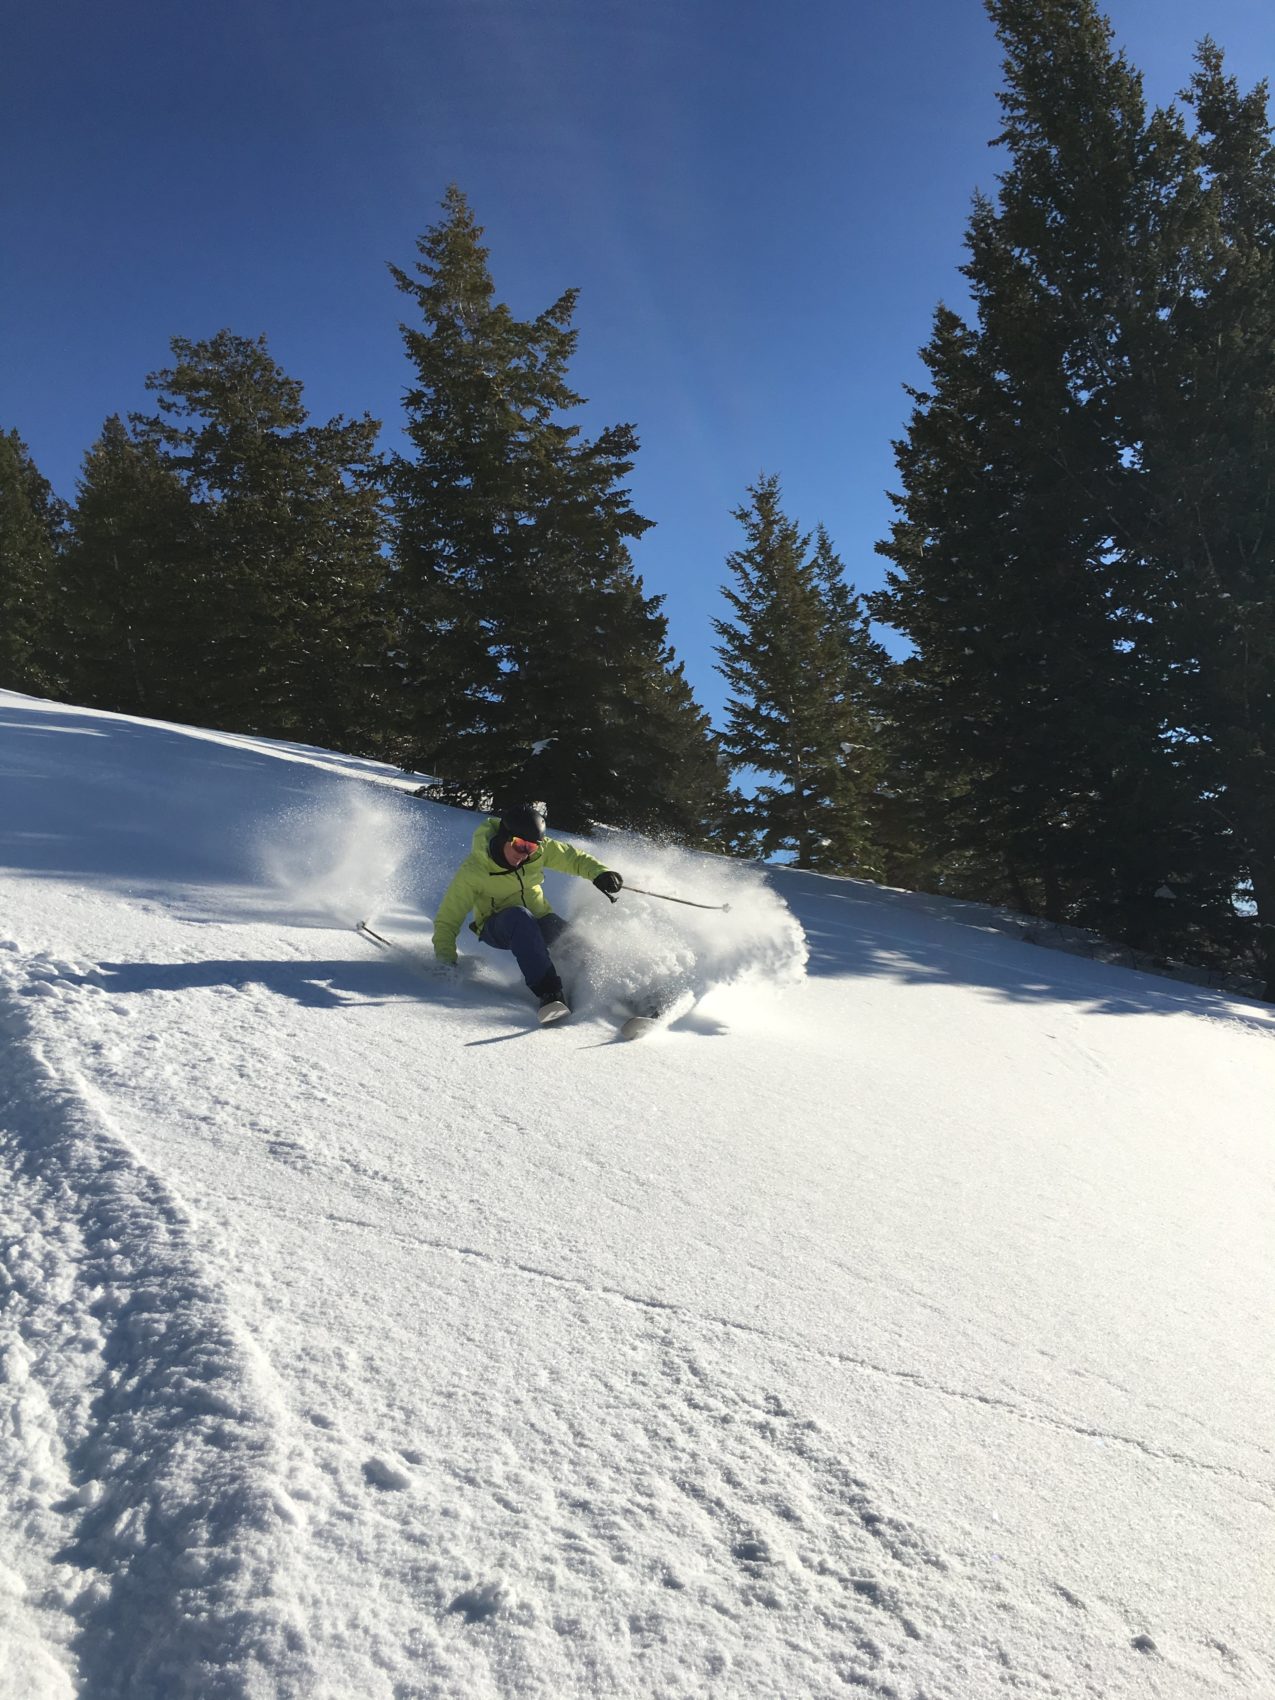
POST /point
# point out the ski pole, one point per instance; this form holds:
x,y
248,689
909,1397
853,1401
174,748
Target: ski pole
x,y
362,927
404,951
665,898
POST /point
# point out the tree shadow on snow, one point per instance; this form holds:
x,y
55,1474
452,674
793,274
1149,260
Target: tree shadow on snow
x,y
314,984
857,929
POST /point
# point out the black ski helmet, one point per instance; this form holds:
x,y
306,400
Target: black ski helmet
x,y
522,820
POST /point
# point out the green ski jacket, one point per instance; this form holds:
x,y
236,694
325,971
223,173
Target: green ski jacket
x,y
486,886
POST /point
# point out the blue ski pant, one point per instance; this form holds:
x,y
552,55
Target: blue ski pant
x,y
528,937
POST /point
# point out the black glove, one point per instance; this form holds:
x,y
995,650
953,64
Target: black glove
x,y
608,884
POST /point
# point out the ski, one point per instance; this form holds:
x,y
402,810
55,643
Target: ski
x,y
661,1007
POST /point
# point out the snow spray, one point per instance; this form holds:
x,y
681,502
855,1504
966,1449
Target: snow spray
x,y
342,856
639,944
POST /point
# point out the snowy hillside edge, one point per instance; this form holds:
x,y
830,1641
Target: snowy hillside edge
x,y
896,1322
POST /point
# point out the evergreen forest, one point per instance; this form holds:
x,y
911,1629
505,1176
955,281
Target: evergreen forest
x,y
1062,700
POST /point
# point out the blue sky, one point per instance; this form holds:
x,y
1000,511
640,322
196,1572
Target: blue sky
x,y
760,205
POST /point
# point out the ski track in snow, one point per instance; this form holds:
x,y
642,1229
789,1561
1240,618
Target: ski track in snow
x,y
1026,1410
157,1500
360,1340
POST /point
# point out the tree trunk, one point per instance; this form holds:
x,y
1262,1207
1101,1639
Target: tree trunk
x,y
1054,910
1264,894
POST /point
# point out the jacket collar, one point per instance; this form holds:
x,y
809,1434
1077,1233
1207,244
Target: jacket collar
x,y
494,844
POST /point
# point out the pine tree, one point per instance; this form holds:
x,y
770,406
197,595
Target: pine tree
x,y
31,525
800,664
1012,700
128,585
1206,460
1035,704
531,660
1101,210
860,667
282,564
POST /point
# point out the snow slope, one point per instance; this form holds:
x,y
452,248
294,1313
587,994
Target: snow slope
x,y
898,1322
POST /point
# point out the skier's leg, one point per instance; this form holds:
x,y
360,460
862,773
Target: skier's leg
x,y
516,930
568,947
552,927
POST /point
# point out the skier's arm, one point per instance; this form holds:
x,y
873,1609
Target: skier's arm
x,y
457,902
566,859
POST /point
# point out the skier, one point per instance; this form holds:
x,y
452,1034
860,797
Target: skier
x,y
501,882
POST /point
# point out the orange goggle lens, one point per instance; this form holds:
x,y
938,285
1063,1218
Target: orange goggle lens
x,y
525,846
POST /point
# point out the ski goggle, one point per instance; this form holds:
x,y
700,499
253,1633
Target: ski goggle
x,y
525,846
